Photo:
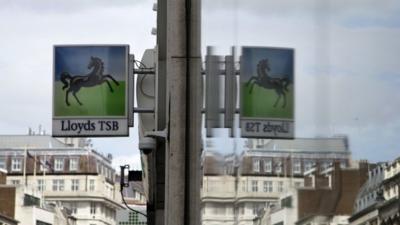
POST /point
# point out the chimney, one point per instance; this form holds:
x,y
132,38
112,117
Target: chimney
x,y
3,176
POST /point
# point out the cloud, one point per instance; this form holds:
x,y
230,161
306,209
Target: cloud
x,y
31,30
347,74
60,6
133,160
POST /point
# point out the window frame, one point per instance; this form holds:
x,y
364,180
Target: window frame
x,y
296,166
278,167
92,208
268,186
256,165
16,162
75,185
268,165
92,185
74,166
41,185
59,164
3,161
254,186
58,185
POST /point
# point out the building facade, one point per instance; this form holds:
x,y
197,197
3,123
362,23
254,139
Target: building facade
x,y
236,188
389,210
135,199
327,198
378,201
19,205
63,173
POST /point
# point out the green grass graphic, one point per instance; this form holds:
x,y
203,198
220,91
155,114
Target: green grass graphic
x,y
97,101
260,103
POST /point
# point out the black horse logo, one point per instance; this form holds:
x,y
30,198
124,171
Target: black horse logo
x,y
263,79
96,77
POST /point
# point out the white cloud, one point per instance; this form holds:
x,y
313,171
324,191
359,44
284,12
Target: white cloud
x,y
347,73
29,31
354,42
133,160
28,37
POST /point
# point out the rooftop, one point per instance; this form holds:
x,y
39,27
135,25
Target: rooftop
x,y
32,141
334,144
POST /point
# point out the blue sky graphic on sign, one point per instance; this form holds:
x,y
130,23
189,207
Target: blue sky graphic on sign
x,y
75,60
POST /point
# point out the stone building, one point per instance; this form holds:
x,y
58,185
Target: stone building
x,y
378,201
236,188
327,198
369,196
389,210
19,205
135,199
65,172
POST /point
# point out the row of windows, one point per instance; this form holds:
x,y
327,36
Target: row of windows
x,y
59,185
109,213
267,186
59,164
105,171
95,208
226,209
277,165
16,164
366,200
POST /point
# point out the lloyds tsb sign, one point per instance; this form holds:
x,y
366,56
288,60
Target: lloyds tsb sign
x,y
267,92
90,90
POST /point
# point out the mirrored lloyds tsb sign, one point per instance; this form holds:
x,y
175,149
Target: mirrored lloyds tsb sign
x,y
267,92
90,90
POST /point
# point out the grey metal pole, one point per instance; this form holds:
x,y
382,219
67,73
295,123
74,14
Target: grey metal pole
x,y
176,113
194,93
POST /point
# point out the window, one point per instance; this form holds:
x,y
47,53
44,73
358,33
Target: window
x,y
74,208
2,163
92,208
280,186
75,185
254,186
325,165
219,209
267,186
98,167
73,164
59,164
16,164
243,185
256,165
297,184
297,167
92,185
308,165
268,166
242,210
58,185
15,182
43,166
41,185
256,208
278,167
108,174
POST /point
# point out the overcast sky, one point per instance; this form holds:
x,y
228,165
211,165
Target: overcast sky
x,y
347,62
346,52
